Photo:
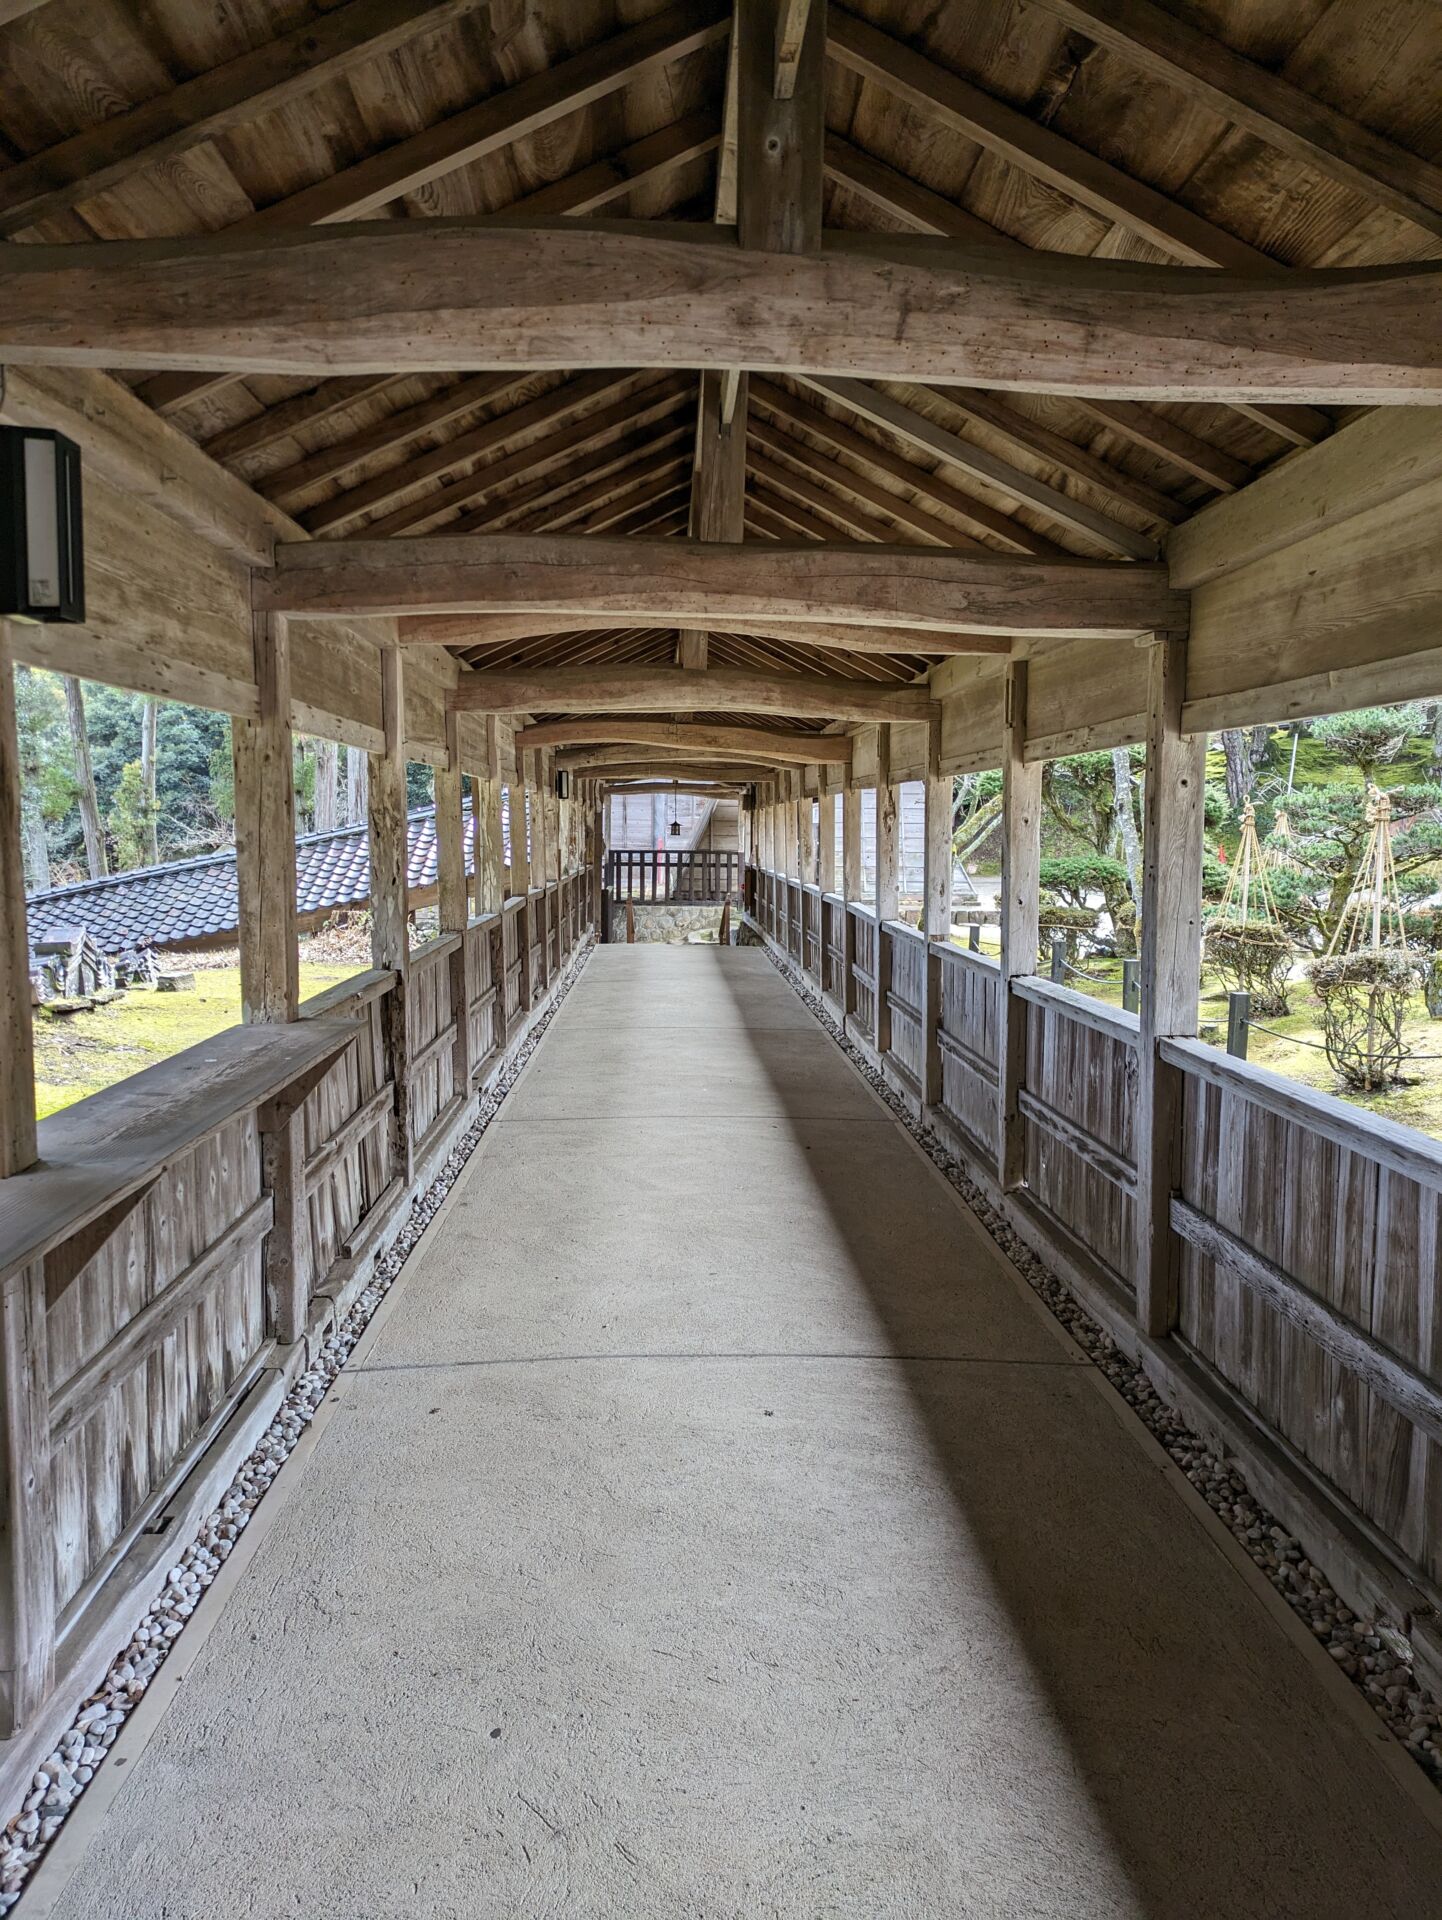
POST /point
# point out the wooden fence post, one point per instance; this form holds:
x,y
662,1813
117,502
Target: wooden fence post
x,y
1020,881
390,945
452,906
27,1502
935,921
888,885
17,1056
850,892
1171,955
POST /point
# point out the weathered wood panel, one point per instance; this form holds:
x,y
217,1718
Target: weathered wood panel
x,y
430,1035
1363,1238
348,1168
904,998
863,968
969,1039
123,1411
1079,1095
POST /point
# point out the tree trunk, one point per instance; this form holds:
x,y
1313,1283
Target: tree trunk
x,y
1239,766
1126,820
36,848
326,757
1437,739
355,785
95,856
149,741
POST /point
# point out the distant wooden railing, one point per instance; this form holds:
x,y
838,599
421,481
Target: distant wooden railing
x,y
1310,1285
694,876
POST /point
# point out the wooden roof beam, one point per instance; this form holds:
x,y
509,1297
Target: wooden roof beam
x,y
505,629
683,690
569,494
157,132
468,295
762,744
301,410
684,582
1206,70
408,165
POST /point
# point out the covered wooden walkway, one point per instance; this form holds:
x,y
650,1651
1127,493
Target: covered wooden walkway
x,y
713,1523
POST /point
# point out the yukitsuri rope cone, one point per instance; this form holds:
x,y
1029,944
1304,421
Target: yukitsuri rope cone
x,y
63,1775
1245,939
1368,974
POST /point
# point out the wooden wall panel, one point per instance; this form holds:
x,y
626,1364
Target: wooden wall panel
x,y
1085,696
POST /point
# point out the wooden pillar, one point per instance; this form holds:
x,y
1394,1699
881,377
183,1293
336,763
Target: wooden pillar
x,y
27,1502
718,479
888,883
1020,883
850,891
265,835
265,874
826,841
1171,958
453,907
390,945
521,878
17,1055
935,922
805,836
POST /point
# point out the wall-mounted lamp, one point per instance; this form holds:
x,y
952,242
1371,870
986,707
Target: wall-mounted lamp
x,y
42,555
563,784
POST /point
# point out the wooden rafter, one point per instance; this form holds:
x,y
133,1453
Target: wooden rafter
x,y
1172,50
603,182
723,742
260,82
504,629
411,164
469,295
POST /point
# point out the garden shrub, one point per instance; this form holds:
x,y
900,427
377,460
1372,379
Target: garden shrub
x,y
1363,997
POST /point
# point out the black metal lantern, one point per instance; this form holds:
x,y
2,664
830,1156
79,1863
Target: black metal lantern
x,y
675,813
563,784
42,556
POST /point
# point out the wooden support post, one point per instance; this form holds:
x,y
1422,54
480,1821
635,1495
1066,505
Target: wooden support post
x,y
490,847
1020,883
390,944
850,891
888,884
1171,959
17,1058
287,1245
805,836
452,905
27,1501
936,923
521,878
265,835
826,842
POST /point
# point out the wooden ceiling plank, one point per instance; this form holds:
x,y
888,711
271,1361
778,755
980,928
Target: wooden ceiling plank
x,y
508,116
682,689
1172,50
437,462
837,477
1031,146
916,428
888,191
1298,426
1171,442
655,157
303,409
662,487
508,630
436,410
611,478
678,583
633,411
935,487
458,296
253,84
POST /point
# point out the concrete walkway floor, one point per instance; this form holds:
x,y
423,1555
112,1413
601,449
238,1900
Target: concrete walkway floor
x,y
715,1526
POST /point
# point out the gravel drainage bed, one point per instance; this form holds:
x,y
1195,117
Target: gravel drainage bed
x,y
63,1776
1372,1653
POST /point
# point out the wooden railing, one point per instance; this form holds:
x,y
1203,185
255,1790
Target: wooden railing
x,y
694,876
186,1240
1309,1232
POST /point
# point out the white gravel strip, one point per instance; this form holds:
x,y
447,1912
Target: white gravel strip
x,y
62,1778
1372,1653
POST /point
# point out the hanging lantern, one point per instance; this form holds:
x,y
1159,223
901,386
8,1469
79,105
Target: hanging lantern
x,y
42,562
675,813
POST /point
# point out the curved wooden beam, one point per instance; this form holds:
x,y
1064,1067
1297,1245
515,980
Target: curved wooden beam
x,y
428,295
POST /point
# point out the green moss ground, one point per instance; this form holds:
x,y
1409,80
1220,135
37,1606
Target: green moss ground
x,y
78,1054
